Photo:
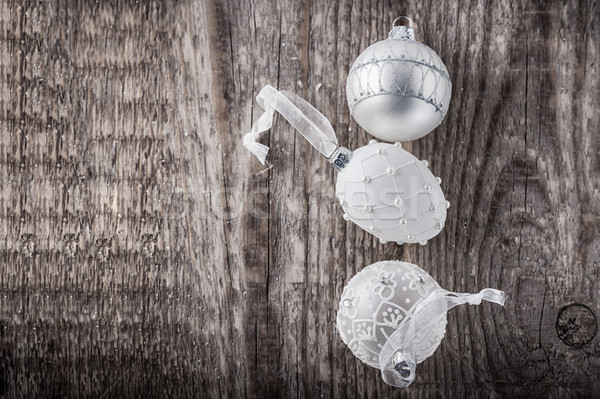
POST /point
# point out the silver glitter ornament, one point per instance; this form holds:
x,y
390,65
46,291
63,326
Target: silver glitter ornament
x,y
398,89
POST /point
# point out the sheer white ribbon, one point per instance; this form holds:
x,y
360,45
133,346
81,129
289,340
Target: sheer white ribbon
x,y
426,314
309,122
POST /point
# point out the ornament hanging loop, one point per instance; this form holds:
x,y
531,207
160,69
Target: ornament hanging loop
x,y
403,21
402,28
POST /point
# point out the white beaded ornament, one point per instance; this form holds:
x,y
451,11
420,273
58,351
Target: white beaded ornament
x,y
398,89
388,192
392,316
381,187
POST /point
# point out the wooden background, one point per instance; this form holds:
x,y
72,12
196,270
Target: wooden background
x,y
145,253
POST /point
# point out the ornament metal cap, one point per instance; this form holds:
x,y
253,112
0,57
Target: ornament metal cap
x,y
402,367
340,157
404,30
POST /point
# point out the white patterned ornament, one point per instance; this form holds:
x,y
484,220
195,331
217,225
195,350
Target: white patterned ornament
x,y
398,89
382,188
392,316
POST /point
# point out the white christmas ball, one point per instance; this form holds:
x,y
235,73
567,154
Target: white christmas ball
x,y
388,192
381,299
398,89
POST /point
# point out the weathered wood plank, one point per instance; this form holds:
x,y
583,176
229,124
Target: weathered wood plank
x,y
143,251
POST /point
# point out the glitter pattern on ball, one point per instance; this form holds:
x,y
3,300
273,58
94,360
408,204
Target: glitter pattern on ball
x,y
388,192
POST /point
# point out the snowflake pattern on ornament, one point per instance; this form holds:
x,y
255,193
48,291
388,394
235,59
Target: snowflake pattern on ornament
x,y
384,284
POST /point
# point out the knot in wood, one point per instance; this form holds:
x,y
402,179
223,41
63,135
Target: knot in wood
x,y
576,324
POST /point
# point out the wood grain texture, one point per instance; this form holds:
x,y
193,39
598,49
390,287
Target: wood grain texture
x,y
145,253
